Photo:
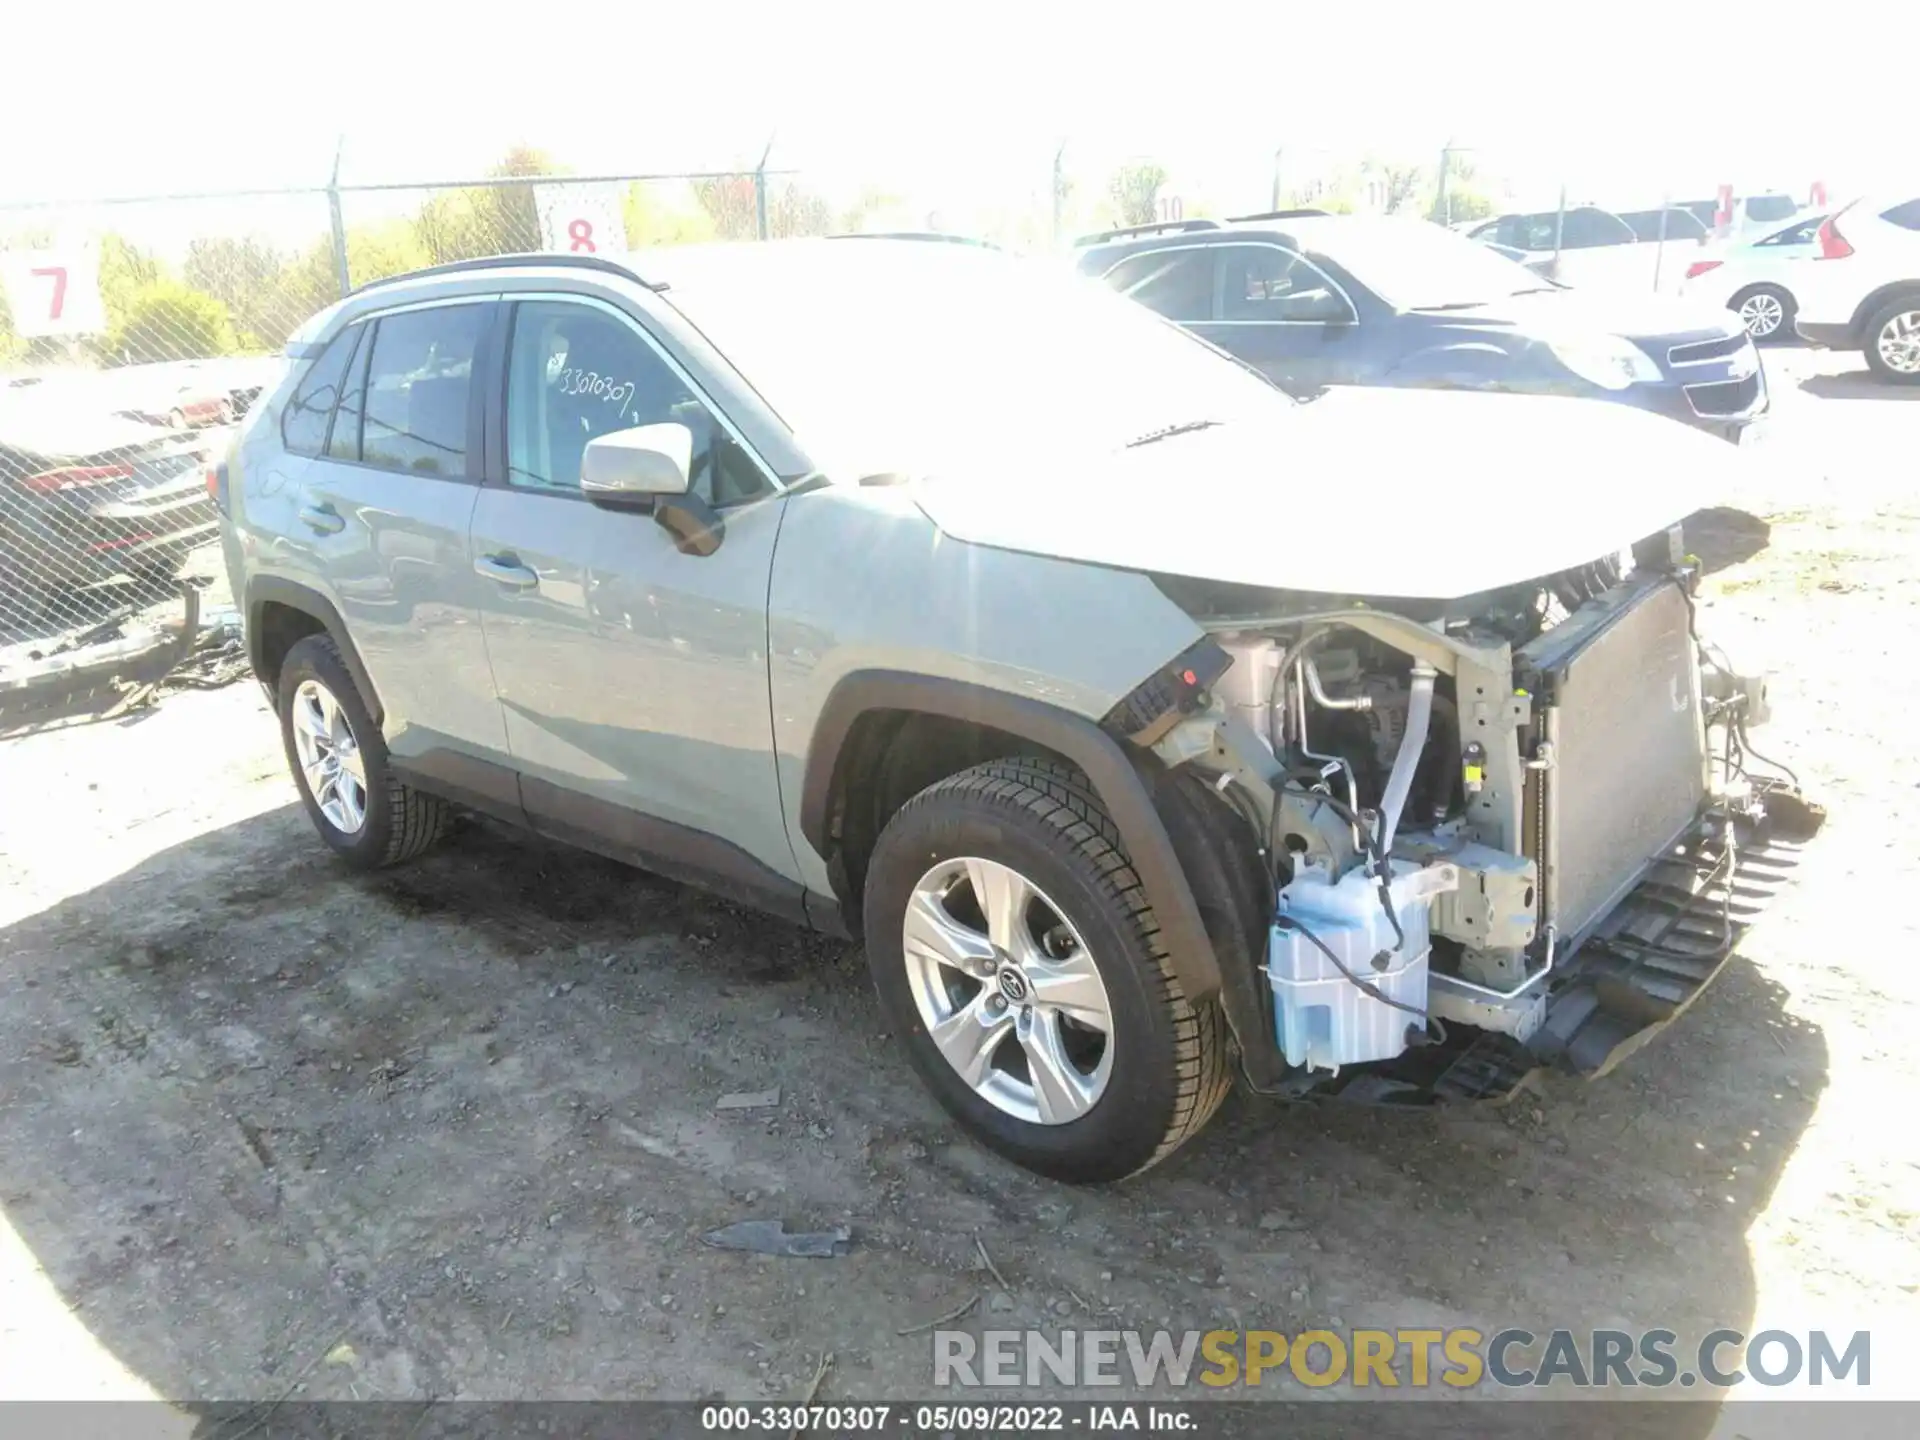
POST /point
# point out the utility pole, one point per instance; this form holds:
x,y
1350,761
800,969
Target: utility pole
x,y
1059,187
1442,201
1277,154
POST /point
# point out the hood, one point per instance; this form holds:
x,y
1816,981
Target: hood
x,y
1632,314
1390,493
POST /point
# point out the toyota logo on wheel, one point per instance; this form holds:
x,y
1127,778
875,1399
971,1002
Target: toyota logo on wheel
x,y
1013,985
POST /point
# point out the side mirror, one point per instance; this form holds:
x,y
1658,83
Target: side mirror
x,y
649,468
630,469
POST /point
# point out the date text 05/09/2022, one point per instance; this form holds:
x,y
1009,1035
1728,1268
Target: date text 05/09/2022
x,y
941,1418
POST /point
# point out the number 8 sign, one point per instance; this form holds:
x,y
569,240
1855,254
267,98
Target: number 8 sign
x,y
53,293
582,219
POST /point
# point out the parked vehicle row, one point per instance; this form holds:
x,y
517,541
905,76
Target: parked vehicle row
x,y
1321,300
1154,730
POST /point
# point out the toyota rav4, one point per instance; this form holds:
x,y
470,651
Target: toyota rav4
x,y
1152,730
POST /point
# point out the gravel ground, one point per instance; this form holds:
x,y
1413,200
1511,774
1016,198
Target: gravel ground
x,y
452,1131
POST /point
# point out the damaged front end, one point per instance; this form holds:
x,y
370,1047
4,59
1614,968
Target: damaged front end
x,y
1443,844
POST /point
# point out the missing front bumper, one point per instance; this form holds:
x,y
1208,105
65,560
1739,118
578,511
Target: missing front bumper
x,y
1641,968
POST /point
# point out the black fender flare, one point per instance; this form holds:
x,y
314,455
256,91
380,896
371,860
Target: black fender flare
x,y
263,590
1461,365
1099,755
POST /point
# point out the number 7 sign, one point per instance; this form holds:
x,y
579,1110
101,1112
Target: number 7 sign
x,y
53,293
582,219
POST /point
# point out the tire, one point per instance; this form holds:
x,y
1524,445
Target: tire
x,y
395,821
1771,304
1895,327
1136,1091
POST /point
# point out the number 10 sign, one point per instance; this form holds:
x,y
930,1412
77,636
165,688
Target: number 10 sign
x,y
582,219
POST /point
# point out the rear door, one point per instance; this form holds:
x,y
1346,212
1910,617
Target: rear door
x,y
632,675
382,511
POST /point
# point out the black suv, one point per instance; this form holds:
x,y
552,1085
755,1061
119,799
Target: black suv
x,y
1315,300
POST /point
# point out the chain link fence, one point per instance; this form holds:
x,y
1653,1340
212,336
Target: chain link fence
x,y
135,334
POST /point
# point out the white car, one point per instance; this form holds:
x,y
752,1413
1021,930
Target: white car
x,y
1861,290
1756,278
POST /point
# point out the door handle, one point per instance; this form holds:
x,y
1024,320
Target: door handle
x,y
322,519
506,569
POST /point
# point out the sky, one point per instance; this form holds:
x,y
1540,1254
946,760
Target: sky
x,y
958,106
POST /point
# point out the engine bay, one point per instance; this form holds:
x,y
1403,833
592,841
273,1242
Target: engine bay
x,y
1453,797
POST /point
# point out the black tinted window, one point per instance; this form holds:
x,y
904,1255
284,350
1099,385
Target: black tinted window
x,y
1795,234
1175,283
303,425
1587,227
1680,225
417,386
1266,283
575,373
1906,216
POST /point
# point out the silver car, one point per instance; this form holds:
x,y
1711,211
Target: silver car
x,y
1152,730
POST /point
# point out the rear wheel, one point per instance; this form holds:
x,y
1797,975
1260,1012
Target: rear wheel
x,y
1015,953
339,761
1893,342
1766,311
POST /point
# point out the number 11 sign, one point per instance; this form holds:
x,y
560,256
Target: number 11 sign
x,y
53,292
582,219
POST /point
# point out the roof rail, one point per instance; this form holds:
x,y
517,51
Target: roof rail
x,y
1278,215
502,262
1165,228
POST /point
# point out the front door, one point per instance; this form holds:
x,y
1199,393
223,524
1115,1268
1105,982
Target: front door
x,y
632,675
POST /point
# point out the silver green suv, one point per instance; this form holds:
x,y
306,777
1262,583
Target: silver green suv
x,y
1151,729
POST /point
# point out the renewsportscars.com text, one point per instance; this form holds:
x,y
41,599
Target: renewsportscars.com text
x,y
1414,1359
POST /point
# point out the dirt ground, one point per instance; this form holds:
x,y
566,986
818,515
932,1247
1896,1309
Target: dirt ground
x,y
267,1128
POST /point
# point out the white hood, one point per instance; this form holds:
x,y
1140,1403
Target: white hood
x,y
1378,492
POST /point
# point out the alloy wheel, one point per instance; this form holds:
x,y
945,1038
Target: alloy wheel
x,y
1899,343
330,759
1008,991
1762,314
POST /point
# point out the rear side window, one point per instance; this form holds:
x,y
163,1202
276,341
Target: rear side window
x,y
1795,234
303,425
1765,209
1587,228
1906,215
1680,225
418,383
1175,283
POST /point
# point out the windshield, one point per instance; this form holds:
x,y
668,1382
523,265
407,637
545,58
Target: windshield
x,y
916,357
1417,265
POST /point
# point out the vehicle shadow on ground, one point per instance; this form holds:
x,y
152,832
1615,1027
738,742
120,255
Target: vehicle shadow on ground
x,y
1724,537
1857,385
460,1119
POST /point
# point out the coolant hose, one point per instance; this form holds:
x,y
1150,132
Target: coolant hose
x,y
1407,761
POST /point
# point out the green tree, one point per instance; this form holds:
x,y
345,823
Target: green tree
x,y
657,213
733,205
249,277
1464,196
482,220
166,320
1134,191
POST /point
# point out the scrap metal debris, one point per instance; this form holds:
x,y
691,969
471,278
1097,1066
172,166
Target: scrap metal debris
x,y
770,1237
749,1100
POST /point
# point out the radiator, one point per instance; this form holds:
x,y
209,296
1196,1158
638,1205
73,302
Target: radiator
x,y
1619,688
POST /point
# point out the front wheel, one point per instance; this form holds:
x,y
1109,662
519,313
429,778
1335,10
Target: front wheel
x,y
1893,342
1015,953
